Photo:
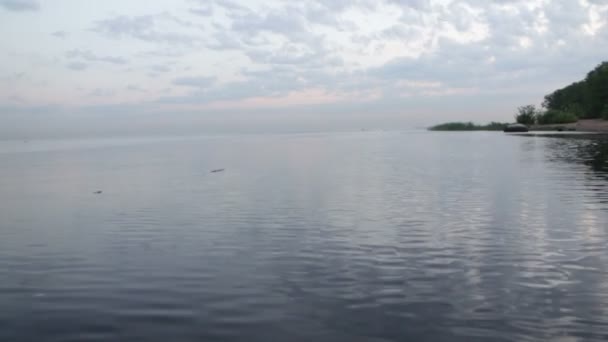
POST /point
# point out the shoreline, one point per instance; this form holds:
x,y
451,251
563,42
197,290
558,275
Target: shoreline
x,y
584,125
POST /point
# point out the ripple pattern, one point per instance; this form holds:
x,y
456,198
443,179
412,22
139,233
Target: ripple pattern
x,y
328,237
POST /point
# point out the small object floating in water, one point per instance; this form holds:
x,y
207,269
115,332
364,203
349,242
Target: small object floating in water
x,y
516,128
217,170
97,192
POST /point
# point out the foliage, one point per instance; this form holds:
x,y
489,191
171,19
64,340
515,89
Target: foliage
x,y
576,110
605,112
468,126
526,115
494,126
554,116
586,98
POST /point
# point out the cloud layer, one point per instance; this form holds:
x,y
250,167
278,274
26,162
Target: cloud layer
x,y
391,55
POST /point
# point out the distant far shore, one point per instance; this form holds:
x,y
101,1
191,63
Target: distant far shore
x,y
583,125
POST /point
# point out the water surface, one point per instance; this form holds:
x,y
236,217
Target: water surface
x,y
368,236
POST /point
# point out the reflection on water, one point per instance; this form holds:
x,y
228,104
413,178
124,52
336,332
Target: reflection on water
x,y
327,237
592,150
595,154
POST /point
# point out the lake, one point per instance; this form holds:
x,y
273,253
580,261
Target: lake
x,y
362,236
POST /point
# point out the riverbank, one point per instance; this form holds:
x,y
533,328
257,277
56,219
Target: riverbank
x,y
584,125
587,125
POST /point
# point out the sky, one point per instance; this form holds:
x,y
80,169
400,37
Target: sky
x,y
114,66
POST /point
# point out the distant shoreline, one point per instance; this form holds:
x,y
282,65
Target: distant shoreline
x,y
584,125
468,126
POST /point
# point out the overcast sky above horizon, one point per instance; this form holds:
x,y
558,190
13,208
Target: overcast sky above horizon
x,y
420,60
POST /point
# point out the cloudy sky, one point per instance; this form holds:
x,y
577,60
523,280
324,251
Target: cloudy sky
x,y
160,62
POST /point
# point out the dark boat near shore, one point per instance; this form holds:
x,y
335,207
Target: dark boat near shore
x,y
515,128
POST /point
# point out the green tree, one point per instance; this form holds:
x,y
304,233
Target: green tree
x,y
605,112
586,98
597,89
554,116
526,115
468,126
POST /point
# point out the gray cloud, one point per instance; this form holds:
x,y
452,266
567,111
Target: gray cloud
x,y
136,88
91,57
100,92
250,33
503,50
77,66
160,68
294,56
287,21
12,77
196,82
277,81
145,28
157,69
418,5
526,48
203,12
60,34
20,5
205,9
234,7
270,83
482,62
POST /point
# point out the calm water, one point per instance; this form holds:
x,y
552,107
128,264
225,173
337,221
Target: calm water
x,y
370,236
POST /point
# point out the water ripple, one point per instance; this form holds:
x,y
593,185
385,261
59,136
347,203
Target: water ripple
x,y
346,237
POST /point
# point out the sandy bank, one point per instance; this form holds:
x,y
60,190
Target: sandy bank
x,y
588,125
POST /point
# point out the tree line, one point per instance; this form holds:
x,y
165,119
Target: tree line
x,y
586,99
468,126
